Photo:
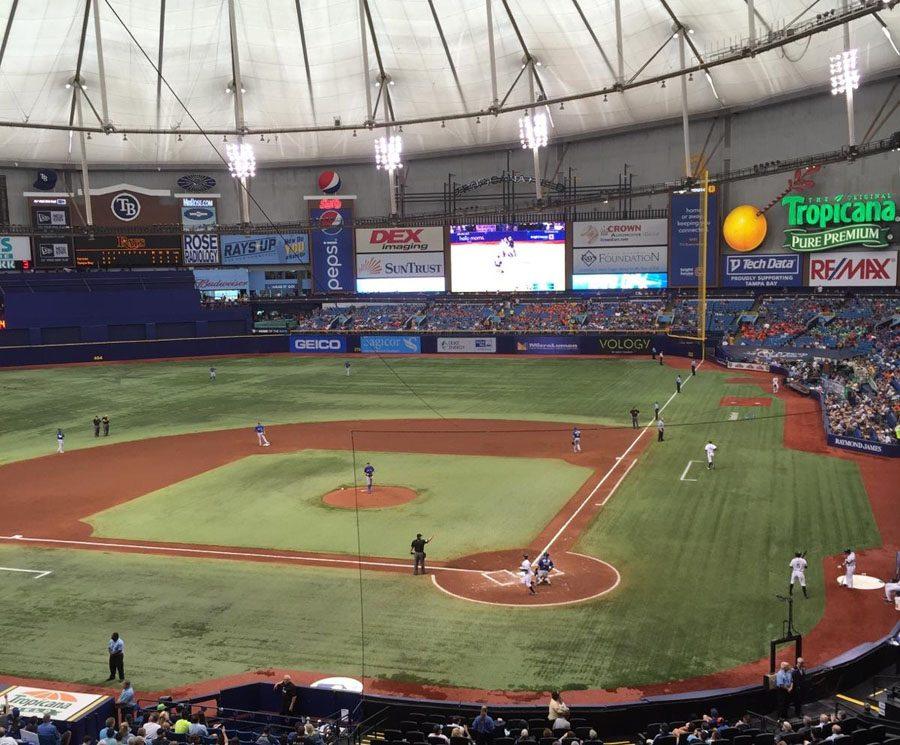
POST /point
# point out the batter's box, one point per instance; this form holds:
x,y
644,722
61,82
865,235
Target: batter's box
x,y
506,577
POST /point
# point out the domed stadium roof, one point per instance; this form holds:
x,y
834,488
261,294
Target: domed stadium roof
x,y
301,65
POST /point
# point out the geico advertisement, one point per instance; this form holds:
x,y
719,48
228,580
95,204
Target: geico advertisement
x,y
853,269
317,344
371,266
399,240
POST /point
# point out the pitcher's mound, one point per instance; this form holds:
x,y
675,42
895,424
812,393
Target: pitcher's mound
x,y
382,496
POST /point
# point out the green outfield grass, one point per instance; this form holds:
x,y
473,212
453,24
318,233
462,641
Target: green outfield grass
x,y
275,501
700,560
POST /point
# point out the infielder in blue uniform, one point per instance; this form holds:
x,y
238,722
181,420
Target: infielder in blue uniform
x,y
261,435
369,470
576,440
544,567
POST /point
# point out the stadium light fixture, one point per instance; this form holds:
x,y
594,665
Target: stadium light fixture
x,y
388,153
241,160
533,130
844,73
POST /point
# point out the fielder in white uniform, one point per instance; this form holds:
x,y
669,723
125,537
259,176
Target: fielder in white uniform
x,y
527,574
892,589
710,454
774,385
849,565
60,441
798,573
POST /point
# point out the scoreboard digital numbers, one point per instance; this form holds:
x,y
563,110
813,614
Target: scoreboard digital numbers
x,y
109,252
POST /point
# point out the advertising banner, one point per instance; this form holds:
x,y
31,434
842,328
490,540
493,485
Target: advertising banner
x,y
757,366
197,213
684,252
820,223
762,270
625,344
53,251
399,240
390,344
200,248
853,269
49,214
219,280
627,260
547,344
317,344
271,248
467,345
62,706
375,266
14,248
332,249
618,233
887,450
127,206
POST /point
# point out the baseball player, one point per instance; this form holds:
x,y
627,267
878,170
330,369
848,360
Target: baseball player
x,y
660,357
775,385
634,417
849,564
60,441
347,367
369,470
212,374
527,574
96,424
656,409
261,435
892,589
105,422
798,573
678,384
576,440
660,430
710,455
693,367
544,566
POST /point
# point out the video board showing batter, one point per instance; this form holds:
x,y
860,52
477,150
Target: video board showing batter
x,y
508,258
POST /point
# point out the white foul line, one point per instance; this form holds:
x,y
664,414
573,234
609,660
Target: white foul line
x,y
686,468
612,468
616,485
38,573
231,554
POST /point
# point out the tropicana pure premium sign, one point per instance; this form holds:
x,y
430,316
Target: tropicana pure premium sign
x,y
822,223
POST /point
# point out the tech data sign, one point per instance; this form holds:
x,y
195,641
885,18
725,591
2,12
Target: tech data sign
x,y
853,269
399,240
63,706
822,223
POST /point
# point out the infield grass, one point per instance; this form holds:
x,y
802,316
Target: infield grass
x,y
275,501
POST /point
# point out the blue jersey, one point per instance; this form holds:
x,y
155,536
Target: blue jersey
x,y
576,435
545,563
259,429
369,470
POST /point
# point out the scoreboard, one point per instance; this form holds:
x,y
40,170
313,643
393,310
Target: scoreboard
x,y
113,251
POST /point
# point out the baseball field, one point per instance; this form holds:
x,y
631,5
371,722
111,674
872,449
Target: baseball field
x,y
215,557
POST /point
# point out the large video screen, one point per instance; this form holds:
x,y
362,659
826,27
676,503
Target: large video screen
x,y
619,281
508,258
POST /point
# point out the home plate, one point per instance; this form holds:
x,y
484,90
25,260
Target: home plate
x,y
863,582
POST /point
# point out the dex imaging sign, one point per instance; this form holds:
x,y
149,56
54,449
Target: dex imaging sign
x,y
317,344
853,269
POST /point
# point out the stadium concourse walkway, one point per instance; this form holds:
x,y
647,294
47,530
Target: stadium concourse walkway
x,y
850,618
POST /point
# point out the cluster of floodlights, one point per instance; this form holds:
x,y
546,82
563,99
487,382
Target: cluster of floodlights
x,y
533,128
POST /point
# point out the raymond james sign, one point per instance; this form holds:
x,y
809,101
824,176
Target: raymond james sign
x,y
821,223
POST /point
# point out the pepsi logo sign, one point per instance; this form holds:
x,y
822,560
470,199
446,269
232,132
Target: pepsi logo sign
x,y
331,222
329,182
125,206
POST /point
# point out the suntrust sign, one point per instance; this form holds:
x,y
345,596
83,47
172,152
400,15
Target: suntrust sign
x,y
821,223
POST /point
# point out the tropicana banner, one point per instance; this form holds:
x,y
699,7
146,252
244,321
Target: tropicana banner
x,y
63,706
823,223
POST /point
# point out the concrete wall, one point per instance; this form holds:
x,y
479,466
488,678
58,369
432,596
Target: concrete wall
x,y
786,129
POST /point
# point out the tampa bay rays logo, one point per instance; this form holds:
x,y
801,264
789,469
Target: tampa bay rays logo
x,y
125,206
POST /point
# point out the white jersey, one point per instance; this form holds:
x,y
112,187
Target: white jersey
x,y
527,572
850,560
798,565
710,451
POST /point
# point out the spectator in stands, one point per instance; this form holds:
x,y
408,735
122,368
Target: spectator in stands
x,y
310,735
483,727
556,709
289,699
663,732
183,723
108,736
197,727
6,739
437,735
523,737
47,732
783,688
836,733
139,738
123,733
152,727
108,729
265,738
